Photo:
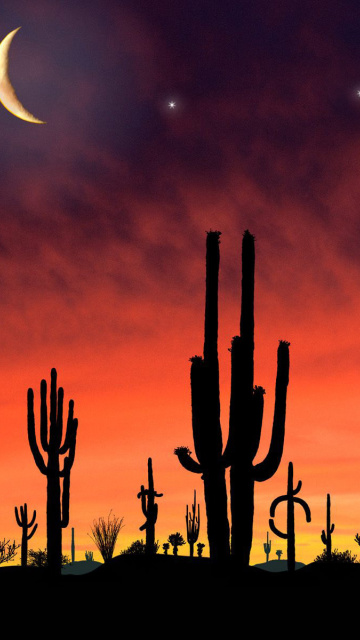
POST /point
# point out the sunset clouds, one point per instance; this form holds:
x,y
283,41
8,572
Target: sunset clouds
x,y
102,241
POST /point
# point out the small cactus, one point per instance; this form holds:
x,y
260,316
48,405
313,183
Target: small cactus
x,y
200,548
166,548
279,554
23,522
290,499
89,556
267,546
326,537
176,540
192,525
150,511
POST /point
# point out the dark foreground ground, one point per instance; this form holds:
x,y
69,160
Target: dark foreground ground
x,y
165,575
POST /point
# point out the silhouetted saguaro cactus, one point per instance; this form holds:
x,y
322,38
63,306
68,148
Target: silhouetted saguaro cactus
x,y
192,525
57,511
150,510
24,523
246,412
326,537
72,544
267,546
290,499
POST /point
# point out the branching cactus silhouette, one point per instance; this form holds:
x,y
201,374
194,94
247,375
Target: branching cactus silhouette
x,y
246,413
24,523
57,511
326,537
150,510
192,525
267,546
291,500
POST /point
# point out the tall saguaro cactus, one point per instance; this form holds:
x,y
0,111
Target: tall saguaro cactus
x,y
57,511
150,510
291,500
326,537
246,413
192,525
24,523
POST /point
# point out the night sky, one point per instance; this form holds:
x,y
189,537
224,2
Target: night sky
x,y
104,212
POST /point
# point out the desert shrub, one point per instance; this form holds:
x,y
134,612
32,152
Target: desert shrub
x,y
39,558
7,551
105,534
337,556
137,548
176,540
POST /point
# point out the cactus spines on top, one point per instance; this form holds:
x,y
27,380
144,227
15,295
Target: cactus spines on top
x,y
24,523
246,413
192,525
150,510
326,537
57,511
267,546
290,499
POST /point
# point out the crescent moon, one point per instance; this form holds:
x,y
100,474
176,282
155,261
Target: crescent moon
x,y
8,96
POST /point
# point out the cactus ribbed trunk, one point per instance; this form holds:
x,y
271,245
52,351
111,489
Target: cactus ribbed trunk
x,y
291,522
150,510
53,515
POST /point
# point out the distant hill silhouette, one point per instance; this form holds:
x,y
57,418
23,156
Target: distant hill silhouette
x,y
80,567
277,565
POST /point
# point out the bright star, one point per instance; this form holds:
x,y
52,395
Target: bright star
x,y
172,105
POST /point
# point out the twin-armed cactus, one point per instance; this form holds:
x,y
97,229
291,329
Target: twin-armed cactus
x,y
290,499
267,546
24,523
57,511
246,413
150,510
192,525
326,537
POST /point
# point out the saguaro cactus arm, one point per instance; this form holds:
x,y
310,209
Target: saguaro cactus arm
x,y
266,469
275,530
306,508
184,456
39,460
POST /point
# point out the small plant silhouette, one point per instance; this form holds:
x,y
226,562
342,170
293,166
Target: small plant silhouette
x,y
326,537
200,548
176,540
105,534
40,558
337,556
291,500
89,556
150,510
357,538
24,523
137,548
166,548
7,550
279,554
267,546
192,525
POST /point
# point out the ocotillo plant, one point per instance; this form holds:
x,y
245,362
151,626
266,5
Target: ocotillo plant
x,y
290,499
24,523
267,546
246,412
57,511
150,510
326,537
192,525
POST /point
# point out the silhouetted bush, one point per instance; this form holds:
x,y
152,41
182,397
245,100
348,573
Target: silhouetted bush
x,y
40,558
105,534
137,548
337,556
7,551
176,540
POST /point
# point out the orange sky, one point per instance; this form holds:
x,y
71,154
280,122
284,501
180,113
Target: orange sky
x,y
102,247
